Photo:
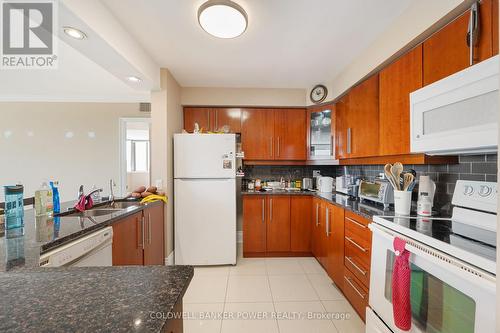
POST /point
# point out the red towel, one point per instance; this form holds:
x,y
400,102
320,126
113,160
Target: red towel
x,y
401,283
85,202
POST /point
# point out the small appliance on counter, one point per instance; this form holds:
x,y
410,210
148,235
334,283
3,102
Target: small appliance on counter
x,y
325,184
378,191
307,184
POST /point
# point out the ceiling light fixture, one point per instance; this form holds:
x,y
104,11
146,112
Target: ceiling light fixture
x,y
223,18
74,33
134,79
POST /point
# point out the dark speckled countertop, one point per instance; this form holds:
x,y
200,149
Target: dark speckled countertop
x,y
91,299
365,209
21,248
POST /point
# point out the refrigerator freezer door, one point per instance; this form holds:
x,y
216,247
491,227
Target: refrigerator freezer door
x,y
204,155
205,222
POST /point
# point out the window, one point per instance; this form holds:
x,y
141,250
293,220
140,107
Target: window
x,y
137,156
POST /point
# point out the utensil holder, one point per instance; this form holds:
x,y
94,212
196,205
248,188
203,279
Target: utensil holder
x,y
402,202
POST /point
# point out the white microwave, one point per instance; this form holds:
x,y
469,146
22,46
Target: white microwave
x,y
458,114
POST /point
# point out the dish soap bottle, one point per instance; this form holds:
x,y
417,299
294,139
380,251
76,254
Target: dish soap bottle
x,y
55,196
43,200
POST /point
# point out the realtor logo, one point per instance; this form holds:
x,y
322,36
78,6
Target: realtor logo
x,y
27,34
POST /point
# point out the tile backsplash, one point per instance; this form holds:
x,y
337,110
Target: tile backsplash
x,y
469,167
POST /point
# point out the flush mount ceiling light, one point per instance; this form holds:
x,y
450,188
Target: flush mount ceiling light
x,y
134,79
74,33
223,18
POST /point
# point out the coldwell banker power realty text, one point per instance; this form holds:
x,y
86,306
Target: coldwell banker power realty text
x,y
27,35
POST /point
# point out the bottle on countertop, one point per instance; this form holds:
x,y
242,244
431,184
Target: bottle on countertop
x,y
14,207
54,185
257,184
44,204
424,205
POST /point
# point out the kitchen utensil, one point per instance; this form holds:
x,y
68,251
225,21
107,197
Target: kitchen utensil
x,y
407,181
396,170
390,177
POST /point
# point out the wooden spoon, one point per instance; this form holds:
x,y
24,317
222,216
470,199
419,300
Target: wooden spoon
x,y
388,174
408,180
396,170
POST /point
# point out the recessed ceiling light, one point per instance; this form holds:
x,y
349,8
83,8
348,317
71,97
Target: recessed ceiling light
x,y
223,18
74,33
134,79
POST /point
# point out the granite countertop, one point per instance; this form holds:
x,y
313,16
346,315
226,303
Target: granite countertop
x,y
21,248
91,299
365,209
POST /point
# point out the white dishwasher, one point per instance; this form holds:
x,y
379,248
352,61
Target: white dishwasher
x,y
91,250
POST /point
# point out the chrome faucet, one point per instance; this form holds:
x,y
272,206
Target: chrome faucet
x,y
80,192
111,195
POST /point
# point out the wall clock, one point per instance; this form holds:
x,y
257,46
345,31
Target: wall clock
x,y
318,94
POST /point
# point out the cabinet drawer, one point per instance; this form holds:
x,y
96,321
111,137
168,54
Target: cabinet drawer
x,y
361,257
359,228
358,267
355,293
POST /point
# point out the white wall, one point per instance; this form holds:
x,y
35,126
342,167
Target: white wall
x,y
38,148
194,96
167,119
412,26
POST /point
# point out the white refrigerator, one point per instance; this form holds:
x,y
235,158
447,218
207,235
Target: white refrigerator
x,y
205,199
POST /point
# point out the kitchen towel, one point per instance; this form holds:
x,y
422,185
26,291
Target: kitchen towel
x,y
401,283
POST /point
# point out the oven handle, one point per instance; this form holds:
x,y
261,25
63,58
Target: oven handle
x,y
469,272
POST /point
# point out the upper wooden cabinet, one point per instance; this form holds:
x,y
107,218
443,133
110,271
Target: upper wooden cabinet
x,y
274,134
494,25
212,119
447,51
358,121
321,133
397,81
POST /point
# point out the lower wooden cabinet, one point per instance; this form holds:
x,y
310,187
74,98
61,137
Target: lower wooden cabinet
x,y
278,224
300,223
356,293
139,238
335,245
254,224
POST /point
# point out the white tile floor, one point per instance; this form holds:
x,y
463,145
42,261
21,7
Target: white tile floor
x,y
283,295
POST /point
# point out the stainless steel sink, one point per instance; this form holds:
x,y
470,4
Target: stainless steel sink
x,y
119,205
94,212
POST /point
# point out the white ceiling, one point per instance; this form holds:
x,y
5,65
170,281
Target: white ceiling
x,y
76,79
288,44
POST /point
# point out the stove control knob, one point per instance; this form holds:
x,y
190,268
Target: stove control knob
x,y
484,191
468,190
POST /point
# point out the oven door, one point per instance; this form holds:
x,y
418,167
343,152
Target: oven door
x,y
447,295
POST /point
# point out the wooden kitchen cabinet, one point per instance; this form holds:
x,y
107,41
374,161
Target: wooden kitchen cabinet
x,y
358,120
321,133
257,132
447,52
212,119
274,134
494,25
254,224
300,223
290,134
397,81
321,221
335,245
202,116
154,237
278,223
128,241
316,228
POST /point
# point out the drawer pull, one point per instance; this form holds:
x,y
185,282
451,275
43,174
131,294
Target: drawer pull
x,y
354,287
355,244
356,223
355,266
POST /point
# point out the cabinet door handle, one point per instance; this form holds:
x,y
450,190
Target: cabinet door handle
x,y
331,145
355,266
271,145
279,148
263,214
354,287
355,244
143,233
216,120
356,223
208,118
327,224
317,214
270,210
149,228
139,228
473,31
349,140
